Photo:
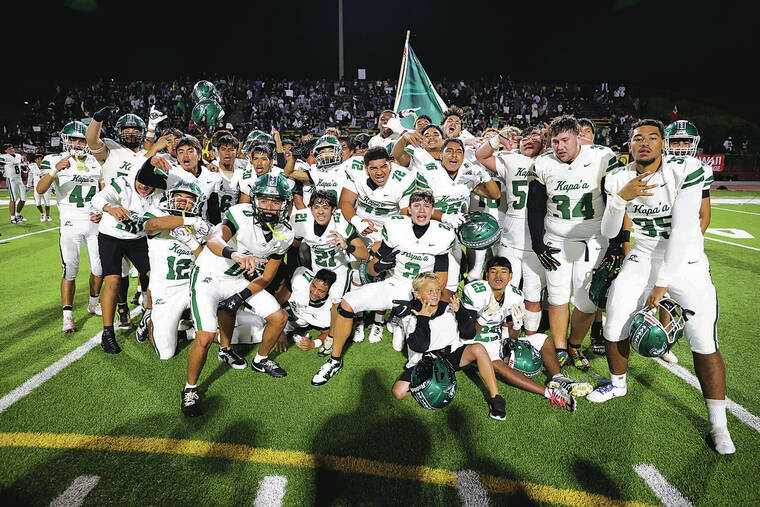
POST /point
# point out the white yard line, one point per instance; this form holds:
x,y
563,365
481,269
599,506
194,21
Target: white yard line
x,y
735,200
76,492
737,211
665,491
52,370
737,410
271,491
5,240
734,244
470,489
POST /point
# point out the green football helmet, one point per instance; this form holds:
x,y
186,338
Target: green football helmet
x,y
208,114
521,356
205,90
258,137
681,129
479,231
649,337
133,121
328,152
178,205
74,129
271,186
433,383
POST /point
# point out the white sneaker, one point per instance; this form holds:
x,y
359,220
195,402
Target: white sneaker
x,y
42,218
359,333
48,218
326,372
95,309
14,220
722,440
669,357
606,392
21,219
375,333
68,325
398,339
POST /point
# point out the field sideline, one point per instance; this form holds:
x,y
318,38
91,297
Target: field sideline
x,y
109,428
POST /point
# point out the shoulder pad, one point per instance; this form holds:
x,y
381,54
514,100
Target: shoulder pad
x,y
476,295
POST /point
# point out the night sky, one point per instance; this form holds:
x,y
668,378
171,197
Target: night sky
x,y
703,51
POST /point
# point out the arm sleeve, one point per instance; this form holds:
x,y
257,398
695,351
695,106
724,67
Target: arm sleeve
x,y
419,339
280,160
441,263
213,212
612,221
685,210
536,212
147,176
108,195
466,320
384,250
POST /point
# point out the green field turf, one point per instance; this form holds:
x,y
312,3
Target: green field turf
x,y
350,442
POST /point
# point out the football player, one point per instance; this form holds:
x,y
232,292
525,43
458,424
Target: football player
x,y
515,171
308,307
493,302
230,171
386,138
325,174
12,163
174,230
239,261
432,325
662,196
77,177
40,200
261,160
410,245
565,208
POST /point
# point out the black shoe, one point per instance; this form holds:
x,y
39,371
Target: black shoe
x,y
270,367
124,321
190,402
498,408
229,356
142,328
108,342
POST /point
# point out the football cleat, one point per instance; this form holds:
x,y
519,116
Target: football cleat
x,y
398,338
108,342
68,325
326,347
21,219
270,367
375,333
42,218
498,409
561,398
142,331
669,357
606,392
95,309
563,358
48,218
722,441
572,386
326,372
15,220
230,357
578,359
358,333
190,405
125,322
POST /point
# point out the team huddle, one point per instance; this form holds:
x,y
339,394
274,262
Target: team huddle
x,y
454,243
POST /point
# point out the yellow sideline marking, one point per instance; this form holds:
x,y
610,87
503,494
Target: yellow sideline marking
x,y
301,459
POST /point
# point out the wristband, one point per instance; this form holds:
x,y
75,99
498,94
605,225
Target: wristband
x,y
350,248
150,135
102,147
626,237
228,251
317,343
245,293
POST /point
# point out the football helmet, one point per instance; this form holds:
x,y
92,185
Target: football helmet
x,y
521,356
272,186
205,90
177,205
131,120
74,129
208,114
681,129
258,137
649,337
479,230
328,152
433,383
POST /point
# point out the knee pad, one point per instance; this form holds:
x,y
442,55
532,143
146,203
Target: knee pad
x,y
532,320
345,313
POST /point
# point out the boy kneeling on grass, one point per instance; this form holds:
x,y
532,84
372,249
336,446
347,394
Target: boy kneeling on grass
x,y
433,325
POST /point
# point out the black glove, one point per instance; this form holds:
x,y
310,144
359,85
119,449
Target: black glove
x,y
546,257
385,263
232,303
105,113
613,258
401,308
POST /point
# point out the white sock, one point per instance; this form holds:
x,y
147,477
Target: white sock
x,y
188,386
259,358
379,318
93,300
716,413
618,381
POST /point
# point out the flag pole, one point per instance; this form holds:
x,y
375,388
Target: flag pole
x,y
401,71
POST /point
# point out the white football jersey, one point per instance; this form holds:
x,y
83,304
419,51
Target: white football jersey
x,y
12,166
385,142
451,196
379,203
574,205
171,261
515,172
323,254
248,239
249,177
75,186
229,188
332,180
652,215
416,255
121,191
492,314
35,174
300,305
121,160
208,181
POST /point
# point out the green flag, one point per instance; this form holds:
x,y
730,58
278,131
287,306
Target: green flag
x,y
415,92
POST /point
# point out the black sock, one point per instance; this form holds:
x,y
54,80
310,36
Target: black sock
x,y
108,328
66,307
123,288
560,350
596,330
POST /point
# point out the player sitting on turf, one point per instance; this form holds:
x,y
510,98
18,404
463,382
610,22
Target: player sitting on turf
x,y
250,243
434,325
662,196
492,303
174,232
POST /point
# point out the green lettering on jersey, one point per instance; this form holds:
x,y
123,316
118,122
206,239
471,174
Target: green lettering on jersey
x,y
521,195
76,196
583,208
